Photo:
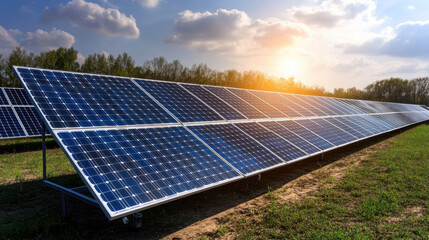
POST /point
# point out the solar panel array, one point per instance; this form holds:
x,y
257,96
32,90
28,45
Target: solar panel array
x,y
18,117
138,143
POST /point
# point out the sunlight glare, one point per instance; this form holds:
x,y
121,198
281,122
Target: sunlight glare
x,y
290,67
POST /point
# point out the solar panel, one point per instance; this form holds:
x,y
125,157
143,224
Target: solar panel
x,y
296,139
290,101
307,134
84,100
9,124
276,100
30,120
303,101
278,145
236,102
139,143
214,102
3,100
17,96
347,127
328,131
178,101
256,102
239,149
131,168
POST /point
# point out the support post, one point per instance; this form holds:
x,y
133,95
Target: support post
x,y
44,150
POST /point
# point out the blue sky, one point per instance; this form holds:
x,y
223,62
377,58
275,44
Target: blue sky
x,y
330,43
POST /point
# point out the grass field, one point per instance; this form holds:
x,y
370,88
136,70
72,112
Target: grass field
x,y
385,196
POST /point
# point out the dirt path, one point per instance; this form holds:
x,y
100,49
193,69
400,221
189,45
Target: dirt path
x,y
302,185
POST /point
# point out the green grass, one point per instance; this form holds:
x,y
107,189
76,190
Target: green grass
x,y
386,197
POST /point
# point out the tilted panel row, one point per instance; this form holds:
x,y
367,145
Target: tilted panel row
x,y
139,143
18,116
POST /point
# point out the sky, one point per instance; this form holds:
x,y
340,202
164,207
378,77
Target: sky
x,y
328,43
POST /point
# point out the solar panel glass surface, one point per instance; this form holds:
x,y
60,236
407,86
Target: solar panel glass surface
x,y
30,120
178,101
236,147
272,141
214,102
276,100
84,100
138,167
236,102
3,100
9,124
17,96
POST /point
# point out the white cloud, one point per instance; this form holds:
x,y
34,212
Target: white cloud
x,y
410,40
148,3
411,7
80,58
6,39
45,41
234,32
91,16
329,13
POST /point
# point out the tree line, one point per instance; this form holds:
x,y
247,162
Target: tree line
x,y
414,91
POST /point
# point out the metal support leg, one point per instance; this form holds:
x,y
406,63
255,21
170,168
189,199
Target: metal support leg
x,y
65,204
44,150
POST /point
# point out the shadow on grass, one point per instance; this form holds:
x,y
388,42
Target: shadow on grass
x,y
34,210
26,145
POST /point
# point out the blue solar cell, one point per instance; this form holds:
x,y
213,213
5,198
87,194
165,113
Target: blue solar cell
x,y
340,123
289,135
361,126
289,100
382,126
18,96
328,131
243,152
325,106
272,141
179,102
30,120
214,102
243,107
83,100
256,102
9,124
276,100
3,100
305,102
306,134
139,167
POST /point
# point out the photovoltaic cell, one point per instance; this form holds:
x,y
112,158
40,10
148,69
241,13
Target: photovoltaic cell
x,y
256,102
306,134
236,147
30,119
214,102
9,124
84,100
178,101
17,96
131,168
236,102
276,100
304,102
360,126
3,100
340,123
272,141
291,137
318,105
290,101
327,131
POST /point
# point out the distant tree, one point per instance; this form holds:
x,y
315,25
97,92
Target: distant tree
x,y
59,59
18,57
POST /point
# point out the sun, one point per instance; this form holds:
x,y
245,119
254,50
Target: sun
x,y
289,67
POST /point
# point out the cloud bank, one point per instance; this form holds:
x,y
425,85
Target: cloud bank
x,y
233,31
329,13
91,16
411,40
